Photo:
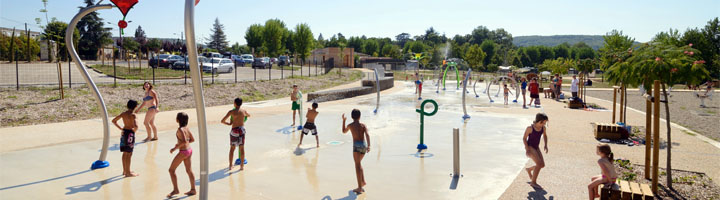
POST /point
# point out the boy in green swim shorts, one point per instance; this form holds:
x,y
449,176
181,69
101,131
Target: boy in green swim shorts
x,y
295,105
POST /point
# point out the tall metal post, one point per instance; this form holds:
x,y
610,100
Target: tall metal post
x,y
198,95
114,70
456,152
235,65
377,88
69,74
101,162
467,75
17,75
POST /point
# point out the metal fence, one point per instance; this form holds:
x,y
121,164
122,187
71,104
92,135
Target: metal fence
x,y
16,75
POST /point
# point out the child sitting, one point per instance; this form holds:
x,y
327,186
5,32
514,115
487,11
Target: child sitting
x,y
608,175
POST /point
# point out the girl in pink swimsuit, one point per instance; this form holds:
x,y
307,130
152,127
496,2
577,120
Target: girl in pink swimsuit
x,y
608,175
184,138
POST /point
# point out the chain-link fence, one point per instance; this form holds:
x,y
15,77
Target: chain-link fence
x,y
112,72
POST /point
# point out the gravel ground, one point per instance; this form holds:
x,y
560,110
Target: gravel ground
x,y
41,105
684,108
686,184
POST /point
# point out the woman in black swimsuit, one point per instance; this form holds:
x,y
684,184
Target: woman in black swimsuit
x,y
152,101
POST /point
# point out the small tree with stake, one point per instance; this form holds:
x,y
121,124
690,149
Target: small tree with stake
x,y
666,63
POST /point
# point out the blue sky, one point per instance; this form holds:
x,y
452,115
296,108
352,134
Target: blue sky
x,y
376,18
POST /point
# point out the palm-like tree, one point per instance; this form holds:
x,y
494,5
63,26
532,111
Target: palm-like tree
x,y
667,63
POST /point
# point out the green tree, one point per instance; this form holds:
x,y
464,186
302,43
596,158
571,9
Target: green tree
x,y
699,41
141,39
55,31
93,34
557,66
217,39
562,50
154,45
272,37
288,41
475,57
254,37
320,42
130,44
303,40
371,47
490,49
615,45
712,33
664,62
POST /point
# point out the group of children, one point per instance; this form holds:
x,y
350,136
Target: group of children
x,y
531,141
236,119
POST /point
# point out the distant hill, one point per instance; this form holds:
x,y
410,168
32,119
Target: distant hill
x,y
595,41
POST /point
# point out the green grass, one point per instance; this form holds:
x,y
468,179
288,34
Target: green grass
x,y
689,133
140,74
12,97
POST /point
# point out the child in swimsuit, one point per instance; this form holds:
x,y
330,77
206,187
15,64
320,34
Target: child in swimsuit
x,y
420,83
608,175
361,145
531,139
237,133
295,105
152,101
505,92
309,126
523,87
184,138
127,140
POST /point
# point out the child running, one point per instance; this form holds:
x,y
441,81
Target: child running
x,y
237,133
127,140
505,92
608,175
309,126
360,145
295,106
532,146
184,138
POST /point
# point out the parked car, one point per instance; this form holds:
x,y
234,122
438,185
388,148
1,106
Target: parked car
x,y
273,60
217,65
185,64
263,63
284,60
212,55
248,58
164,60
238,60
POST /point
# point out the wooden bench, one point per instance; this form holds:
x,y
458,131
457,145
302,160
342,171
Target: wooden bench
x,y
624,190
609,131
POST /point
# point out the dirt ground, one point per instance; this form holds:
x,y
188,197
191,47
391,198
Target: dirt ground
x,y
30,106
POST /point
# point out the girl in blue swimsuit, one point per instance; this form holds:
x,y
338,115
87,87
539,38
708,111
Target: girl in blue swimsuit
x,y
151,101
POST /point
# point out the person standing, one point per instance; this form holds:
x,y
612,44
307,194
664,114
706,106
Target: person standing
x,y
152,101
523,87
574,87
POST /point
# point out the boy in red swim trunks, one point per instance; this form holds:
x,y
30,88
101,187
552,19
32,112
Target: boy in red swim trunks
x,y
237,133
127,140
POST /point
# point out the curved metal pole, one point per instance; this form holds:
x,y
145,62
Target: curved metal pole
x,y
467,75
474,85
377,88
488,89
197,94
101,162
